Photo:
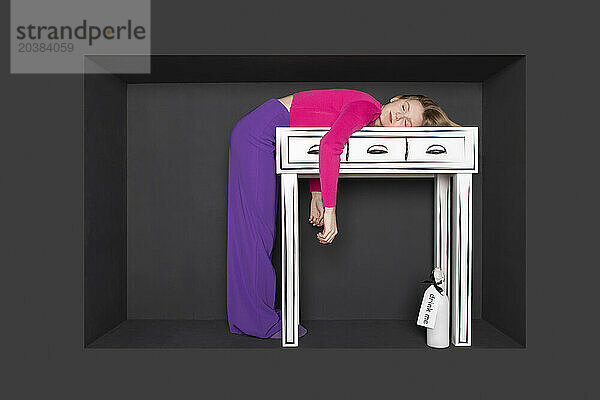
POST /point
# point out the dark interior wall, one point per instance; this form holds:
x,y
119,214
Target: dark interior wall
x,y
105,252
178,136
504,277
229,68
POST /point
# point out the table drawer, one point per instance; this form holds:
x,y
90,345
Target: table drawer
x,y
381,150
436,149
377,149
306,150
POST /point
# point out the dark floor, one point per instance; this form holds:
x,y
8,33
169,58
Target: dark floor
x,y
321,334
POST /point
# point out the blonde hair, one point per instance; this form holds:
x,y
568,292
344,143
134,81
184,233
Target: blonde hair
x,y
433,114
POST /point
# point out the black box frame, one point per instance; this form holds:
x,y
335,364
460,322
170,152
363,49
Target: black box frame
x,y
502,168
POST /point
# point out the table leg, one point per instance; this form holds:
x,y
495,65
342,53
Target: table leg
x,y
462,237
439,336
442,225
290,261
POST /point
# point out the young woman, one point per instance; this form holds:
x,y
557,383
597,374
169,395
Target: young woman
x,y
253,187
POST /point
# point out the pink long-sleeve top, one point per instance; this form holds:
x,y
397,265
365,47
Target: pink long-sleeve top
x,y
345,111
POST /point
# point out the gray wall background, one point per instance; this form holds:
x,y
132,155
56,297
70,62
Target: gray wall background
x,y
178,136
42,183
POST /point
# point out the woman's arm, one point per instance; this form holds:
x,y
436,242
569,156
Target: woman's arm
x,y
314,184
353,117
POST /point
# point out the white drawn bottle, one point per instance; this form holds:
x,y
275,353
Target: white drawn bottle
x,y
439,335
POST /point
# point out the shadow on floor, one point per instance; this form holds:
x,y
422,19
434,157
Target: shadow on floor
x,y
397,334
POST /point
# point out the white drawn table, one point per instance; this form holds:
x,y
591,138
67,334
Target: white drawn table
x,y
448,155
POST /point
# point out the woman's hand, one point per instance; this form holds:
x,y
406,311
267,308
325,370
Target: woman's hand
x,y
330,229
316,209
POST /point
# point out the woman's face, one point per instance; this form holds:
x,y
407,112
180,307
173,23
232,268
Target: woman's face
x,y
402,112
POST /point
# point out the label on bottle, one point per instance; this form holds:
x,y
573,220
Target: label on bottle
x,y
429,307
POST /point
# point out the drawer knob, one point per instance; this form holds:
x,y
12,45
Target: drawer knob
x,y
436,149
377,149
314,149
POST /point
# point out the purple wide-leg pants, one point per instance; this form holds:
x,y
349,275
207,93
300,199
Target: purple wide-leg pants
x,y
252,199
